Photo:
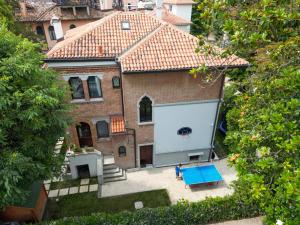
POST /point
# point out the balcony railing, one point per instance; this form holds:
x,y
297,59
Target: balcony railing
x,y
73,2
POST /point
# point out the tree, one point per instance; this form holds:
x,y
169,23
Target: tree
x,y
263,123
33,116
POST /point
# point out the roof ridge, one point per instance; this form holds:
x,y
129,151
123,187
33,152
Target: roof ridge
x,y
142,41
76,37
44,12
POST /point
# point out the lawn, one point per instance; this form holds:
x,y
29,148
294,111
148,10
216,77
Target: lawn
x,y
87,203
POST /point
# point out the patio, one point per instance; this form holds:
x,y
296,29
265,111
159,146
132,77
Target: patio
x,y
164,178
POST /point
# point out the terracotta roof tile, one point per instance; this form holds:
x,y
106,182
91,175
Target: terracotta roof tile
x,y
149,45
170,17
106,33
117,124
169,48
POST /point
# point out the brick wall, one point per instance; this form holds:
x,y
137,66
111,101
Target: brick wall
x,y
167,87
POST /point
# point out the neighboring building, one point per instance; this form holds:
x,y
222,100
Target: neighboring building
x,y
132,93
68,14
51,19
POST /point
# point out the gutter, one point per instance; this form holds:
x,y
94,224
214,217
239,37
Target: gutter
x,y
216,119
123,113
81,59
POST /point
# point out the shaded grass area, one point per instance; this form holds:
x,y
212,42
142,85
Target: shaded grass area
x,y
64,184
88,203
220,148
93,180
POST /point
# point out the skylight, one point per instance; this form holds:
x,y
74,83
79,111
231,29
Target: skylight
x,y
125,25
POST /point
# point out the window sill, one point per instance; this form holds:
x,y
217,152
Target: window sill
x,y
104,139
79,101
145,123
96,99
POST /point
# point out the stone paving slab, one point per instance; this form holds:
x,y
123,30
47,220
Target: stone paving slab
x,y
83,189
93,187
53,193
251,221
63,191
84,181
164,178
73,190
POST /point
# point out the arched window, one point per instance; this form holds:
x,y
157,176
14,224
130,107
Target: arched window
x,y
76,88
51,33
94,85
122,151
116,82
102,129
145,110
39,30
72,26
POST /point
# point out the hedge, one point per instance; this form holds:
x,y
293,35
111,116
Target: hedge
x,y
207,211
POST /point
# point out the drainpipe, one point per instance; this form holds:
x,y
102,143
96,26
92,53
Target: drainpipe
x,y
123,113
216,118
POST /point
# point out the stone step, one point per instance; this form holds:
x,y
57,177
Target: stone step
x,y
110,171
109,166
113,179
111,175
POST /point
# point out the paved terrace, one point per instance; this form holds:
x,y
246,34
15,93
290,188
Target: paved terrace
x,y
164,178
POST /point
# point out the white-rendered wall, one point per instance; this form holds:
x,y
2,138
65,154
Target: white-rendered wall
x,y
183,11
85,158
169,119
185,28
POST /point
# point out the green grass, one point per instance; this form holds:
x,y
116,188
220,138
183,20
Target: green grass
x,y
88,203
64,184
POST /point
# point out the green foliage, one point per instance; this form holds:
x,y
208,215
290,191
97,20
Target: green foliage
x,y
203,212
32,114
263,100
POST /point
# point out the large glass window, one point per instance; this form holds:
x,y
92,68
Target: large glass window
x,y
51,33
76,87
94,84
102,129
145,110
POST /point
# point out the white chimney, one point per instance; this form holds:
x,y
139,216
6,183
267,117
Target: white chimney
x,y
56,23
159,5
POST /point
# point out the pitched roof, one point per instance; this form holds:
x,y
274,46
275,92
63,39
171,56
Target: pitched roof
x,y
170,48
105,38
171,18
149,45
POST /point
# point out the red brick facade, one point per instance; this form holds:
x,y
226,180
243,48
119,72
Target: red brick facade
x,y
161,87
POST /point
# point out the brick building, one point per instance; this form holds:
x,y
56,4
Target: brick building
x,y
132,95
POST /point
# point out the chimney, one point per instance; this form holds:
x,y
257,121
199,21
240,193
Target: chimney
x,y
23,8
55,22
159,5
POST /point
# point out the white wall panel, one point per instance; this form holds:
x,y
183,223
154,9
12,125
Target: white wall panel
x,y
169,119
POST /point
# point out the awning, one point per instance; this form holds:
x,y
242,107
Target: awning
x,y
117,124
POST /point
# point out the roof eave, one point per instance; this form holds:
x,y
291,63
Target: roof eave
x,y
183,69
81,59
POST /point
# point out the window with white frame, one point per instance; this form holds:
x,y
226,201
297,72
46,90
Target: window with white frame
x,y
94,85
76,88
102,129
145,110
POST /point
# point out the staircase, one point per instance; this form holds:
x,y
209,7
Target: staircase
x,y
111,172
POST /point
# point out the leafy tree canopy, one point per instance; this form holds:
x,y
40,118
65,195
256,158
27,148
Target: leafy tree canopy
x,y
32,114
263,123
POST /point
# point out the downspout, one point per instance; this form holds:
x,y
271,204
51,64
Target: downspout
x,y
216,118
123,113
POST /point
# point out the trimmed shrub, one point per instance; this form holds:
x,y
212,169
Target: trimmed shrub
x,y
208,211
